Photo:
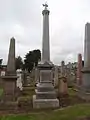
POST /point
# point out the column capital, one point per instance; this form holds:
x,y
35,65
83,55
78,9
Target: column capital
x,y
45,12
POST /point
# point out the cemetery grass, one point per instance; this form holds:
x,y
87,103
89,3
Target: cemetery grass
x,y
68,113
1,91
71,92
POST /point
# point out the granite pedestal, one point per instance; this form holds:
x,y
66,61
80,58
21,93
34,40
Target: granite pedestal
x,y
45,95
9,87
45,103
84,89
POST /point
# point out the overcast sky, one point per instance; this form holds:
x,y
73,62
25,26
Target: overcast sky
x,y
23,20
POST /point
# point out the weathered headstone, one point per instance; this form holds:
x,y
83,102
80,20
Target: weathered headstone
x,y
9,80
45,95
69,74
28,83
24,78
62,87
19,79
63,69
79,68
36,75
56,76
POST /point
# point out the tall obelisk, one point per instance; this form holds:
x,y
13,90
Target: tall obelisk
x,y
11,70
9,80
45,95
84,91
45,42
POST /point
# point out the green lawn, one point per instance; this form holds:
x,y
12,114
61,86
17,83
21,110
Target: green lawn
x,y
1,91
71,92
70,113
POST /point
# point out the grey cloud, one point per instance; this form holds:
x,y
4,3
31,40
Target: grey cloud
x,y
23,20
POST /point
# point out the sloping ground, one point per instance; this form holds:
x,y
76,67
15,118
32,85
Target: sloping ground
x,y
69,113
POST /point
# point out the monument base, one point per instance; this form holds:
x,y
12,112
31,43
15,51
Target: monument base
x,y
45,103
84,89
9,88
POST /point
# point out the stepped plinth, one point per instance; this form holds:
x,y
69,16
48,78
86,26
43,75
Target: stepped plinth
x,y
45,95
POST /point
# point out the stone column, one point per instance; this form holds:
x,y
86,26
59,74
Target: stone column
x,y
9,80
45,42
86,70
79,68
84,91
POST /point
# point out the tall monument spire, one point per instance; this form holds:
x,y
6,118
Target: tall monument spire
x,y
45,41
10,78
11,58
84,91
45,95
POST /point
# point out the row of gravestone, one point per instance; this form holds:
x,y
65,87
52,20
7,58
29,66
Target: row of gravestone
x,y
66,71
10,78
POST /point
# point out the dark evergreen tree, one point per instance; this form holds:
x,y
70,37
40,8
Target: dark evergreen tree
x,y
19,63
1,63
32,59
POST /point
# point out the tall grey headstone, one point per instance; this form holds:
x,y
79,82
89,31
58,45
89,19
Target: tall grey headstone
x,y
45,95
84,91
